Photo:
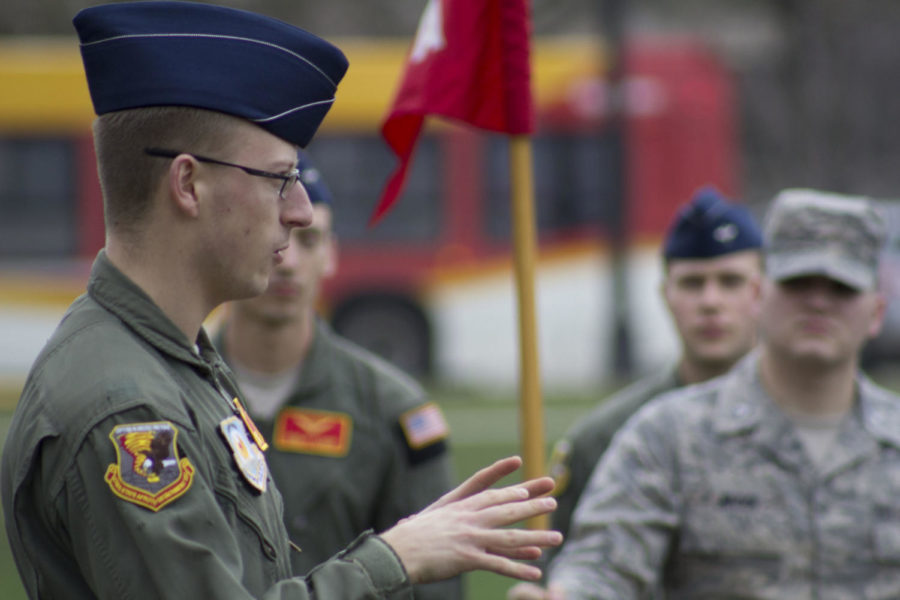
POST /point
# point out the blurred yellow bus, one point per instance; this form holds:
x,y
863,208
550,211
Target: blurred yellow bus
x,y
431,286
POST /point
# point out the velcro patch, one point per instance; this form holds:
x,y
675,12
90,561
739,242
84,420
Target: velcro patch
x,y
310,431
424,426
148,472
559,466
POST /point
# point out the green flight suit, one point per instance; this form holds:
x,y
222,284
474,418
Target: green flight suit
x,y
83,514
362,472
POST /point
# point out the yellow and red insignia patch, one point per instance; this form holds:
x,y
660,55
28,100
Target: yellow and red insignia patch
x,y
148,472
559,466
424,425
313,431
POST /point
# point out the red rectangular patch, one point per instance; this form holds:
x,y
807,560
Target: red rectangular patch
x,y
313,432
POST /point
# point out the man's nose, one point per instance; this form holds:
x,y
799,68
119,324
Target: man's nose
x,y
818,294
296,209
711,294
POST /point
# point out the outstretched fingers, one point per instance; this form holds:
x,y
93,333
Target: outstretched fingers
x,y
505,506
520,553
533,488
480,481
519,543
539,486
509,568
467,528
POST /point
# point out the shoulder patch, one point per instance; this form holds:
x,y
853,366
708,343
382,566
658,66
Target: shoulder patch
x,y
309,431
424,426
559,466
148,471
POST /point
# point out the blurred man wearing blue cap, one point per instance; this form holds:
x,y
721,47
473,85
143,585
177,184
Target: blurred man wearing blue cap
x,y
778,479
354,442
131,469
712,266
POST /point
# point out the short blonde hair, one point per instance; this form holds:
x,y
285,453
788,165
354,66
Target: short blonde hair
x,y
128,176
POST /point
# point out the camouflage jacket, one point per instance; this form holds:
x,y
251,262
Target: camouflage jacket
x,y
709,491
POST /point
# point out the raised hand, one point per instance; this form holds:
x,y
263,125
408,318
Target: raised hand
x,y
465,529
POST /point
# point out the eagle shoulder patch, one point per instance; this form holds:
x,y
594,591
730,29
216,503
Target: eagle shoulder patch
x,y
148,471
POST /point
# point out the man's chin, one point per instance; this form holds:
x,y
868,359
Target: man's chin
x,y
274,315
719,359
814,359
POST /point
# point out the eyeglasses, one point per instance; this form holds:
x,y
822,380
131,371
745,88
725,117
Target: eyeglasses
x,y
289,180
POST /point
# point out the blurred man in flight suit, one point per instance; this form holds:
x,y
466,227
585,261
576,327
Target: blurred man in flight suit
x,y
355,444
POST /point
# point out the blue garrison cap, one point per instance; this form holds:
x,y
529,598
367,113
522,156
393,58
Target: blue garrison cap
x,y
710,226
312,180
140,54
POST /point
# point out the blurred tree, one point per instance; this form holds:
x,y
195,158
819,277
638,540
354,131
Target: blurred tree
x,y
823,112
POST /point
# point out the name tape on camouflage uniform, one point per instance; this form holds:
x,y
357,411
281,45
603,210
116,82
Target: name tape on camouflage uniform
x,y
148,471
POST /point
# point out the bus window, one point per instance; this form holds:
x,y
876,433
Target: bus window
x,y
37,198
355,168
574,183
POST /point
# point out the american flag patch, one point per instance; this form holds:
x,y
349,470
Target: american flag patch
x,y
424,425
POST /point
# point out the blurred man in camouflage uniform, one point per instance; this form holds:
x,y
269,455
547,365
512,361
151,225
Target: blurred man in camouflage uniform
x,y
780,479
354,443
712,270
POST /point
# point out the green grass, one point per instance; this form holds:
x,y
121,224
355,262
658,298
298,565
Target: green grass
x,y
10,586
484,428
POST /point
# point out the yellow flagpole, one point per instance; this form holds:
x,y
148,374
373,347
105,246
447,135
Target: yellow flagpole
x,y
525,252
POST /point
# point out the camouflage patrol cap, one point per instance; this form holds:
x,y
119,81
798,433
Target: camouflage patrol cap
x,y
810,232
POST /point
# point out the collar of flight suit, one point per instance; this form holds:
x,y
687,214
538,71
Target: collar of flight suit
x,y
113,290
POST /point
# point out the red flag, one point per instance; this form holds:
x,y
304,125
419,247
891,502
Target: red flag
x,y
469,61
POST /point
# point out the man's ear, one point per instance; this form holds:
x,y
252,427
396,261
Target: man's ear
x,y
183,185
